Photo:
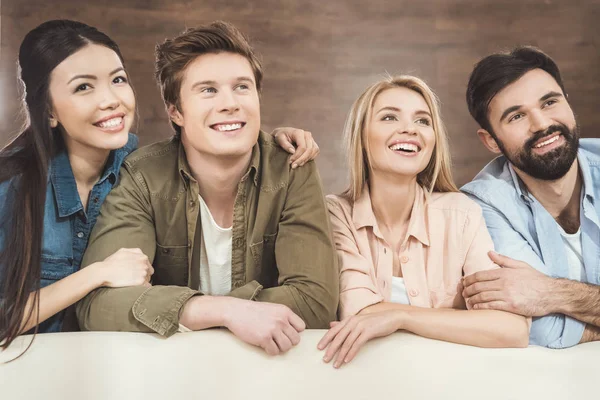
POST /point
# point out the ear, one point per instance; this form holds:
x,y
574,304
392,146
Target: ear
x,y
175,115
53,121
488,141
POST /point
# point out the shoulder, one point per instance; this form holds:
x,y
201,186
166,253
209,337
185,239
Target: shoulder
x,y
152,156
338,204
454,202
591,149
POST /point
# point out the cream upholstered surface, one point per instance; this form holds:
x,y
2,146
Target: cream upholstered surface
x,y
216,365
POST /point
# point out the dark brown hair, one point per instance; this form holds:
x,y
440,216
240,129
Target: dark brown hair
x,y
25,165
174,55
496,71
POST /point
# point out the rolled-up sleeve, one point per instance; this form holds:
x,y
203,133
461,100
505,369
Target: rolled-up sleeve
x,y
357,285
554,330
126,221
304,253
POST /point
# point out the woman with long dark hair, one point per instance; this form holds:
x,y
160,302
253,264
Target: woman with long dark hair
x,y
56,173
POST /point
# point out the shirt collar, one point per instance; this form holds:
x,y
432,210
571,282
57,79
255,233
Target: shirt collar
x,y
363,216
254,167
63,180
584,167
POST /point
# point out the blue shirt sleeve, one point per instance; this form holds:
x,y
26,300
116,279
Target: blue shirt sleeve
x,y
555,331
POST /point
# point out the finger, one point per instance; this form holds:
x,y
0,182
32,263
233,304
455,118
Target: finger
x,y
308,152
283,342
299,139
331,334
292,334
338,341
479,287
271,347
341,356
296,322
146,284
358,344
282,139
482,276
333,323
485,297
493,305
504,261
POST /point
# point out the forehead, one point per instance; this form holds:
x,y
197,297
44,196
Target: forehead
x,y
217,67
400,97
92,59
526,90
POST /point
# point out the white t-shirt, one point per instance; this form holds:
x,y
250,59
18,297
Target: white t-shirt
x,y
215,255
399,294
574,251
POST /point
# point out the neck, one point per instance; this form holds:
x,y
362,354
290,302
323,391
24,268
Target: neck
x,y
218,179
87,165
392,199
559,197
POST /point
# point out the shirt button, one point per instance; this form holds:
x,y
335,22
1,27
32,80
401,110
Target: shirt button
x,y
413,292
79,235
404,259
384,250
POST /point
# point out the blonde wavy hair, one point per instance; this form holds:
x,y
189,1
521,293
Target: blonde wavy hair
x,y
436,177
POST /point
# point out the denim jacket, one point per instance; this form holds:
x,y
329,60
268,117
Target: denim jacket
x,y
522,229
67,226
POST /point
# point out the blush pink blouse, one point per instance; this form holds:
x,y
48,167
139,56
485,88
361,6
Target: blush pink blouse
x,y
446,239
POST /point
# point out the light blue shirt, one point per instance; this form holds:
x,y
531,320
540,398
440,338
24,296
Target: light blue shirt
x,y
522,229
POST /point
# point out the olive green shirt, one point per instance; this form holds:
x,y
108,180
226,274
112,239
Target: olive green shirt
x,y
282,251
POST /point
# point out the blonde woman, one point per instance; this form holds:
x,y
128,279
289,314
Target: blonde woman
x,y
405,236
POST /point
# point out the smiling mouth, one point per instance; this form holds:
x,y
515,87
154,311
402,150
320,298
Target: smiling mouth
x,y
228,127
405,148
111,123
547,142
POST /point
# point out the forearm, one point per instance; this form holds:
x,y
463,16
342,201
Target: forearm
x,y
485,328
590,334
58,296
575,299
317,307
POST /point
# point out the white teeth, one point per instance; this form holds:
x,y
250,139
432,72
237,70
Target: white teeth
x,y
228,127
111,123
547,142
405,146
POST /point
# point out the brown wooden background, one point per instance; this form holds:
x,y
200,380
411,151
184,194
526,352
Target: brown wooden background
x,y
320,54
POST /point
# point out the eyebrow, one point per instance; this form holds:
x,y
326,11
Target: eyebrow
x,y
396,109
94,77
515,108
214,83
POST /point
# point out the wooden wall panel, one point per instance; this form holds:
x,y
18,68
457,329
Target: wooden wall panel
x,y
319,55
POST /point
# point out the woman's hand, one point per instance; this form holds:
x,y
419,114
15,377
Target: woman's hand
x,y
126,267
346,337
299,143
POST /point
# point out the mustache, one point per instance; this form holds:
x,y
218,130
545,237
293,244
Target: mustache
x,y
552,129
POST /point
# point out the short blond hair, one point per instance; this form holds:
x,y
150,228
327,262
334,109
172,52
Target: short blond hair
x,y
436,177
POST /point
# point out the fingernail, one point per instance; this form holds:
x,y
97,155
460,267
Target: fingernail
x,y
292,150
326,359
294,165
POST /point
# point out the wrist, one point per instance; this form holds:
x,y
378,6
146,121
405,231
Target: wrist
x,y
201,312
95,275
555,302
402,319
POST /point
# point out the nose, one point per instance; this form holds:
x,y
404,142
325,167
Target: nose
x,y
228,101
407,126
109,99
538,121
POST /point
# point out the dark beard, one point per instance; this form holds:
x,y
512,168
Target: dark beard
x,y
552,165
